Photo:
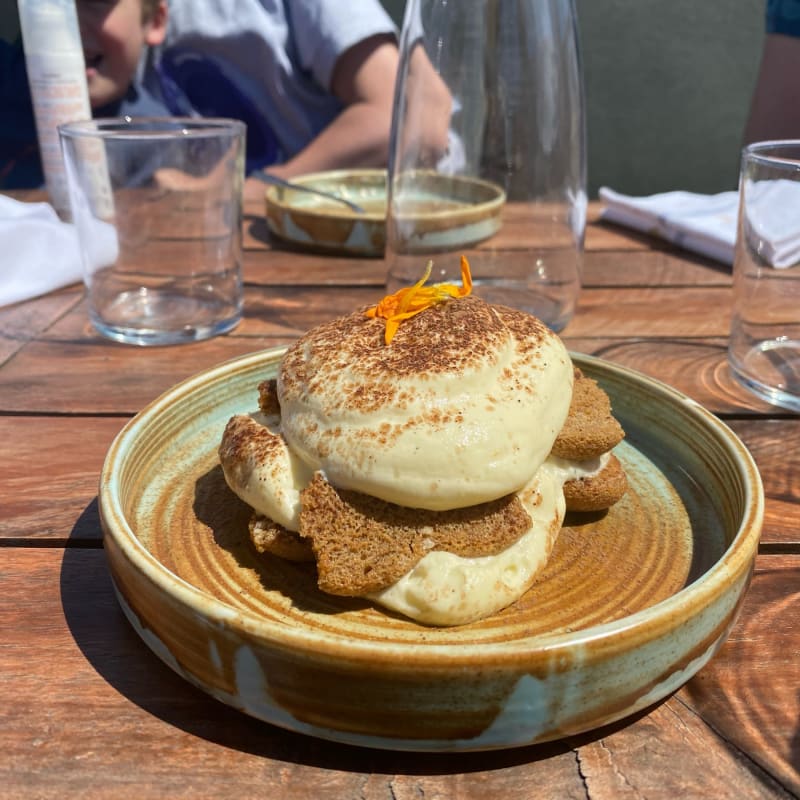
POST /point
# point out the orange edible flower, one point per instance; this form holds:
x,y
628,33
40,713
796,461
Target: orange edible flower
x,y
411,300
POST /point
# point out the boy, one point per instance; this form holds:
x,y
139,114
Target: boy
x,y
314,85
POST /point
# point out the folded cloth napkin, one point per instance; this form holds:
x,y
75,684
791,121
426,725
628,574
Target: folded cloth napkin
x,y
773,221
702,223
40,252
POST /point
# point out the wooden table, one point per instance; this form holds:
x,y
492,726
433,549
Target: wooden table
x,y
88,711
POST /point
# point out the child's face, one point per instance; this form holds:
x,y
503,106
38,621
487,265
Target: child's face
x,y
113,36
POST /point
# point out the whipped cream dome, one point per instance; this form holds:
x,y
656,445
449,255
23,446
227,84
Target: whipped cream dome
x,y
463,407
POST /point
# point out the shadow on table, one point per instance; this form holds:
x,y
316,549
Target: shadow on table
x,y
256,226
657,244
121,658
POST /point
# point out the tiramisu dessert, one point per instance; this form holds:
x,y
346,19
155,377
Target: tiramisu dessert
x,y
423,453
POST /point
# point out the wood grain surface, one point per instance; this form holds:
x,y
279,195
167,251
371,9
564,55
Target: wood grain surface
x,y
86,709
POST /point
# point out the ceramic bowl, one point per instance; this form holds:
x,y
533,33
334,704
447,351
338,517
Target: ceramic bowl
x,y
434,213
630,606
442,212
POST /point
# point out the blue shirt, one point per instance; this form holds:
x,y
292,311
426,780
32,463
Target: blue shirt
x,y
783,16
20,166
268,63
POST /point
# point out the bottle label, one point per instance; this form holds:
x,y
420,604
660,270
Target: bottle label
x,y
57,97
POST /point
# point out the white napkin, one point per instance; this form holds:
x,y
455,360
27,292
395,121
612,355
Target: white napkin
x,y
40,253
773,220
706,223
702,223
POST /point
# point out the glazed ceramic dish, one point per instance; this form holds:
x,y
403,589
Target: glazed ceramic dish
x,y
444,212
631,605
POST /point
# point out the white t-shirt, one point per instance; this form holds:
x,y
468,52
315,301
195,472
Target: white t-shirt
x,y
266,62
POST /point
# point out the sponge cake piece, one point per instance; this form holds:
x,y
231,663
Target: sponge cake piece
x,y
597,492
591,431
363,544
590,428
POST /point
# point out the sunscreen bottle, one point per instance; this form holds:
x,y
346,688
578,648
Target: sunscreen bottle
x,y
57,77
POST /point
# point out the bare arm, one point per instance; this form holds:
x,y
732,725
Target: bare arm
x,y
775,107
363,80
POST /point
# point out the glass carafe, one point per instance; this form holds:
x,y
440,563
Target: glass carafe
x,y
488,152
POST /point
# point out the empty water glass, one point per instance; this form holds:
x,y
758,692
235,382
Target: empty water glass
x,y
764,348
157,203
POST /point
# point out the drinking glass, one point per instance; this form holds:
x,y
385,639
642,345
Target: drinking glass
x,y
488,152
157,203
764,347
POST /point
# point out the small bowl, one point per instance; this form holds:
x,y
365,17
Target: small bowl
x,y
436,213
630,606
443,212
316,222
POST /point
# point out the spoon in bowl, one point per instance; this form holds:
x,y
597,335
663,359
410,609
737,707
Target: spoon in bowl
x,y
265,177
